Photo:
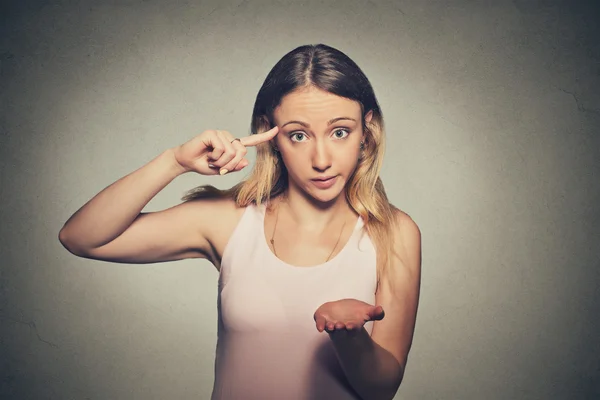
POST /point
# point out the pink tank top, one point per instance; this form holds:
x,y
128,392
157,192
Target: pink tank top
x,y
268,346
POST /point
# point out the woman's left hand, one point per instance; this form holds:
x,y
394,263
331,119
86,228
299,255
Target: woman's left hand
x,y
347,314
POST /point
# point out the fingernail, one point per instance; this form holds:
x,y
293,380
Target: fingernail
x,y
223,171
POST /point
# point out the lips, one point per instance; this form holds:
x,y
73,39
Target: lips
x,y
322,179
324,182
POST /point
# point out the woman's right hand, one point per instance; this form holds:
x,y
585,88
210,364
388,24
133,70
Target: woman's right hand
x,y
216,152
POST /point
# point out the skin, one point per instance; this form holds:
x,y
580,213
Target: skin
x,y
309,224
318,149
375,363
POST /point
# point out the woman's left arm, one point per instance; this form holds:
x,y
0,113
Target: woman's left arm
x,y
375,364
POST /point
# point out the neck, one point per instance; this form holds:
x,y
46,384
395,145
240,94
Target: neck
x,y
310,214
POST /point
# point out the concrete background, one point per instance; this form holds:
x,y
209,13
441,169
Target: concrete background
x,y
492,111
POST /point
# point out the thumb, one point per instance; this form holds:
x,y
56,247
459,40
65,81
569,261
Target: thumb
x,y
376,313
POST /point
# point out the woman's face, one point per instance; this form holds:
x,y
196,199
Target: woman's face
x,y
319,137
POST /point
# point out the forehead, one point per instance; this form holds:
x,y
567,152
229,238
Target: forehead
x,y
312,104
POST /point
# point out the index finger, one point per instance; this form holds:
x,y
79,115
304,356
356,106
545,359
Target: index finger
x,y
259,138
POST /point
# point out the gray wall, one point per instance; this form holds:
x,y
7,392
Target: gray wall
x,y
492,112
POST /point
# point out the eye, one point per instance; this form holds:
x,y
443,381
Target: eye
x,y
341,133
296,135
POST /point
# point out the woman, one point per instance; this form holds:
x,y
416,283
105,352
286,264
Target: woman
x,y
308,243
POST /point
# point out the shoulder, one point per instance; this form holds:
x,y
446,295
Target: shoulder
x,y
407,239
405,226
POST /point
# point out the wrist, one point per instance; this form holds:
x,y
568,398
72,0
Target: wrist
x,y
174,165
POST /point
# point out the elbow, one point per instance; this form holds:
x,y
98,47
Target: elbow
x,y
68,244
65,242
394,385
383,389
62,238
382,393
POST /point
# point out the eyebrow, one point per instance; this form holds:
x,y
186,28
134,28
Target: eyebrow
x,y
331,121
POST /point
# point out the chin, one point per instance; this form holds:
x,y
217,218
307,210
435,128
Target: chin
x,y
326,195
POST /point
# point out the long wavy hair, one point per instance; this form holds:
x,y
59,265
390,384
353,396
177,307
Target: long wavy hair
x,y
330,70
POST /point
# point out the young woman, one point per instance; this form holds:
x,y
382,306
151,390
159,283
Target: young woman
x,y
319,274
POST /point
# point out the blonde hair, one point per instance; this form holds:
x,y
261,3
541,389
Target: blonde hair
x,y
364,190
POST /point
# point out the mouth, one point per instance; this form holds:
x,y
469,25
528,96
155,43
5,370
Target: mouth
x,y
323,179
324,182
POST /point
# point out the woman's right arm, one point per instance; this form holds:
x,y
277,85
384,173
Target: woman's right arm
x,y
111,226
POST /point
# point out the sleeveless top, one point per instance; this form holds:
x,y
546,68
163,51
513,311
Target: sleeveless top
x,y
268,346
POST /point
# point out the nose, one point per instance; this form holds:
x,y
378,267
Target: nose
x,y
321,159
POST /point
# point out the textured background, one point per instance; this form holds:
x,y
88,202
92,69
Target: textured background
x,y
492,111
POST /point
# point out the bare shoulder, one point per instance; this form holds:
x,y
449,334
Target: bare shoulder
x,y
407,238
405,225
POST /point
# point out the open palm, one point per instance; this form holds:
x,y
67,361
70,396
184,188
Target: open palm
x,y
347,314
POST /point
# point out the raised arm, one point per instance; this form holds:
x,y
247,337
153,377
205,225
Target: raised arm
x,y
111,226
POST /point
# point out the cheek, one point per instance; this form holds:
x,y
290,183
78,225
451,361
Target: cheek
x,y
349,158
351,166
291,160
